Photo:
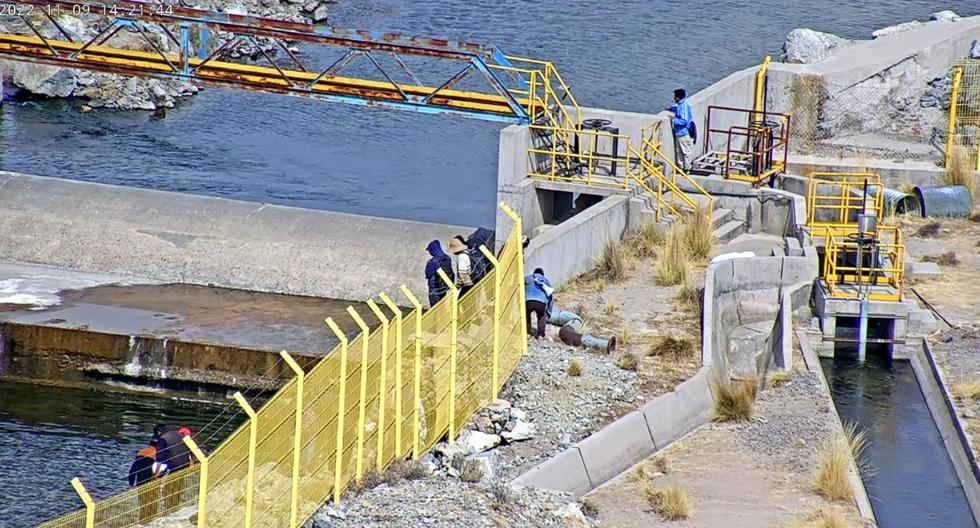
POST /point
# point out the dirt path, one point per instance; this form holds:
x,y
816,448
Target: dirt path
x,y
752,474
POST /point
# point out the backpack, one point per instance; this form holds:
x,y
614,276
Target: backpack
x,y
479,264
692,130
446,263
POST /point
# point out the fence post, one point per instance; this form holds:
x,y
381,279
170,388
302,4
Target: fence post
x,y
297,437
383,382
363,392
87,500
494,388
398,372
202,486
519,230
341,411
453,330
953,93
417,382
760,84
253,427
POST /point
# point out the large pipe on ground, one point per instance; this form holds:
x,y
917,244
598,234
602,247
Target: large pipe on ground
x,y
953,201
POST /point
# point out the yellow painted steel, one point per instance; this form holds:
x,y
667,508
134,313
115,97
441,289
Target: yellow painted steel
x,y
334,440
834,199
887,264
760,85
417,370
453,296
382,390
202,492
341,396
494,384
362,400
297,437
253,430
399,419
87,500
954,92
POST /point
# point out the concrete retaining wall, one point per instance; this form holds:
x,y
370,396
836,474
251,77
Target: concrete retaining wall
x,y
171,237
947,421
586,233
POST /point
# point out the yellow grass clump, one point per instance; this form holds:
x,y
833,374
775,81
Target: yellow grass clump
x,y
646,241
777,378
734,399
574,368
969,390
670,503
671,347
672,267
823,518
960,171
831,479
613,263
627,361
699,236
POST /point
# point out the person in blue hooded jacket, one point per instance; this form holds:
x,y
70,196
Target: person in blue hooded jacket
x,y
682,122
437,259
538,301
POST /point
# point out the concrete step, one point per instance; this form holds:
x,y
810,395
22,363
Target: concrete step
x,y
720,216
729,230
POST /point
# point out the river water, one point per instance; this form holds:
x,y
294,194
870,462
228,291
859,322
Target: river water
x,y
911,481
625,55
50,434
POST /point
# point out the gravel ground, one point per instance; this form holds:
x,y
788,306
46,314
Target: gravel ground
x,y
791,423
955,352
440,502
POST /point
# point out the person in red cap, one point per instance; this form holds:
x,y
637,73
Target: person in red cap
x,y
184,431
172,455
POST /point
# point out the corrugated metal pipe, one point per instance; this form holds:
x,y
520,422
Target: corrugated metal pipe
x,y
953,201
897,202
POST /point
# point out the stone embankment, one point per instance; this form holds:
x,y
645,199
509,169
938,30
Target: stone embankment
x,y
104,90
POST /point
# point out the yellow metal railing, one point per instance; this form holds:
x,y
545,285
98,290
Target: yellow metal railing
x,y
382,396
881,273
963,126
651,155
834,199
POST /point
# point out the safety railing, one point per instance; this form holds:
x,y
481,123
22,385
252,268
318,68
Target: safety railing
x,y
756,147
882,264
963,128
385,395
835,199
582,160
653,158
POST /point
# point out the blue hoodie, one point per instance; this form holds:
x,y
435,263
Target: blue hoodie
x,y
434,249
534,290
683,117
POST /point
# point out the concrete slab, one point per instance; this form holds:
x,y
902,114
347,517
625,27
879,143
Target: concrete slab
x,y
760,244
677,413
925,270
756,273
616,447
562,472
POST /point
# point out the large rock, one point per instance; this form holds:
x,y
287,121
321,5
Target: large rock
x,y
806,46
897,28
944,15
42,79
974,50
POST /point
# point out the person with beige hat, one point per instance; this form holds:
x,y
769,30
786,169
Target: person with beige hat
x,y
464,280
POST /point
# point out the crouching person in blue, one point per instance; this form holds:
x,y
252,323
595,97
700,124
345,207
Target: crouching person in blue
x,y
538,301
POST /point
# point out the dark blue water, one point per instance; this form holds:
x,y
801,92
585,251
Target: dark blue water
x,y
625,55
49,435
912,483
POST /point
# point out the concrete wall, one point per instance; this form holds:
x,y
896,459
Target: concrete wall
x,y
204,240
571,248
947,421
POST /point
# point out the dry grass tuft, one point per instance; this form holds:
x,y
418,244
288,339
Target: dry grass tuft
x,y
669,503
967,391
639,473
610,308
624,337
822,518
975,217
831,479
661,464
613,264
690,297
589,508
671,266
960,171
699,236
471,472
928,230
407,470
627,361
574,368
777,378
948,258
370,480
734,399
906,186
646,241
671,347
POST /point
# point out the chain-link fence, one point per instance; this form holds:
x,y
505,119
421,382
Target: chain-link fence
x,y
964,126
880,117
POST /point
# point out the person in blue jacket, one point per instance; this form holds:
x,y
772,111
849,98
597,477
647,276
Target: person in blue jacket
x,y
538,301
437,259
683,123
